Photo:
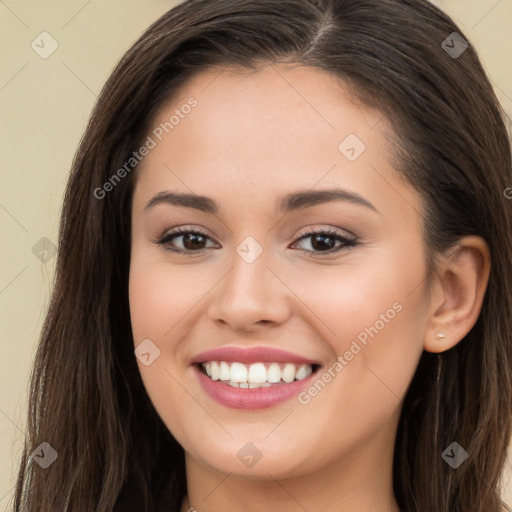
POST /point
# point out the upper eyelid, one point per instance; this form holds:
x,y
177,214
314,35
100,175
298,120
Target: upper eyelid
x,y
181,230
304,233
338,231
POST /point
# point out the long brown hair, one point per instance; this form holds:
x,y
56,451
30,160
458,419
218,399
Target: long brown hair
x,y
87,399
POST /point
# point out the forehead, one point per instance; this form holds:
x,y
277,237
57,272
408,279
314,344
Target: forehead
x,y
266,132
283,106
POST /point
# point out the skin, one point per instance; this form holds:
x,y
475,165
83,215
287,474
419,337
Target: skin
x,y
252,138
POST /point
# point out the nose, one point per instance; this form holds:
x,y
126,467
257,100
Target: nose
x,y
251,296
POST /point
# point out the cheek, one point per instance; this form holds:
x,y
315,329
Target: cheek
x,y
160,296
379,291
158,300
151,303
376,319
373,316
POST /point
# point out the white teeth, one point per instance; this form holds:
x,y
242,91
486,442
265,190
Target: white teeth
x,y
288,373
214,367
255,375
262,385
238,372
303,371
274,373
224,371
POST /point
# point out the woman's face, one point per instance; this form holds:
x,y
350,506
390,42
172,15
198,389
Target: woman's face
x,y
262,150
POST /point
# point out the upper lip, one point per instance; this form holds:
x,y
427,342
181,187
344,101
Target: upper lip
x,y
251,355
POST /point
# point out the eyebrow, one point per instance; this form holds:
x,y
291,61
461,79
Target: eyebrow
x,y
290,202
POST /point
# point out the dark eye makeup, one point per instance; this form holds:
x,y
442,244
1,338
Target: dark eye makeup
x,y
322,241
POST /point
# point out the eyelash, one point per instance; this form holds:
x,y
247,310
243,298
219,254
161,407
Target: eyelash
x,y
347,243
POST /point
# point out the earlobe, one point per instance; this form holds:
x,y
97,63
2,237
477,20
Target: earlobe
x,y
461,279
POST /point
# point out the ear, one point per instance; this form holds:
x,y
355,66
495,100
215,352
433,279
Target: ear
x,y
458,290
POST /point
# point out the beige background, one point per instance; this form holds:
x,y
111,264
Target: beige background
x,y
44,106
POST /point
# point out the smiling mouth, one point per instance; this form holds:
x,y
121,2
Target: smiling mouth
x,y
256,375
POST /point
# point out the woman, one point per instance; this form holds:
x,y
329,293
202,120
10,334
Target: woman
x,y
340,339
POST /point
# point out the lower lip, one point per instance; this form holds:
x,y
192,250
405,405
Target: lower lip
x,y
251,398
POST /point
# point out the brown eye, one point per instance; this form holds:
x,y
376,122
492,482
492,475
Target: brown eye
x,y
191,241
324,241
